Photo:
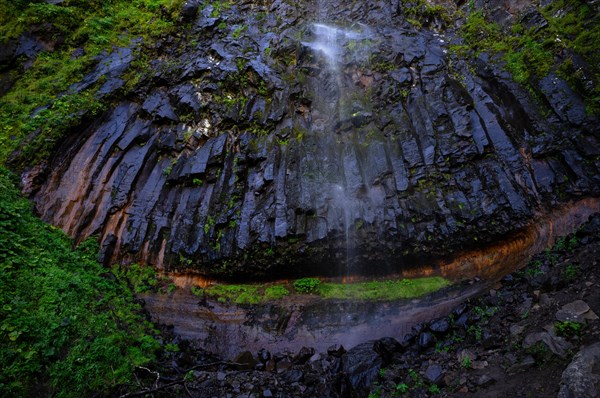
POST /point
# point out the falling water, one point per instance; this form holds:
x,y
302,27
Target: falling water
x,y
338,47
329,41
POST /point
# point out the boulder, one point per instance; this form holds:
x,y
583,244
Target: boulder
x,y
361,366
581,377
245,361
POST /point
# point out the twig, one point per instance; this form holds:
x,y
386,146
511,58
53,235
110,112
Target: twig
x,y
208,365
175,382
152,390
154,373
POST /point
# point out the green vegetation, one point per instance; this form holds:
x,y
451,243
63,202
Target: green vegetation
x,y
44,89
244,293
68,328
218,7
484,314
142,279
402,388
564,244
374,290
540,352
573,30
238,294
197,291
571,271
534,269
414,385
568,328
466,363
275,292
382,290
237,33
306,285
421,12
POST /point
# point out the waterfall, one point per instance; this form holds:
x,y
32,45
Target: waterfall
x,y
339,47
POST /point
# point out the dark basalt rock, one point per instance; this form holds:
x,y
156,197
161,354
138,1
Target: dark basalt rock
x,y
426,340
189,10
434,373
304,355
245,361
244,153
361,366
336,350
580,378
440,326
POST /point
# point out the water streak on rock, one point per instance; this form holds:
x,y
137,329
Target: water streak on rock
x,y
309,321
242,153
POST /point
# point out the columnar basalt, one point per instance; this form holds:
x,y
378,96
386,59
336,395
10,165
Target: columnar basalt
x,y
227,159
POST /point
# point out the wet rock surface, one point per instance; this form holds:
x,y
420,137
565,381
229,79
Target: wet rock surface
x,y
245,151
484,352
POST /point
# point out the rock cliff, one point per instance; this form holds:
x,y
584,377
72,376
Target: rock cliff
x,y
249,149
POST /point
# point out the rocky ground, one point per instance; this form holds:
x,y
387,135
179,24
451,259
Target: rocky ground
x,y
533,334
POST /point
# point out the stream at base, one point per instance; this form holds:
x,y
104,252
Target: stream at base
x,y
297,321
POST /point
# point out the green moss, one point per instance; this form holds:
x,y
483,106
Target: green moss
x,y
373,290
43,90
237,33
275,292
382,290
418,12
530,54
239,294
568,328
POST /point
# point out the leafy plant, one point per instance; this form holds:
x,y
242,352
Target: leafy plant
x,y
568,328
475,331
416,378
197,291
68,328
306,285
534,269
466,362
402,388
276,292
142,278
571,271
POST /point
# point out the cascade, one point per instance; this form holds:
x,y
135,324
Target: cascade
x,y
339,48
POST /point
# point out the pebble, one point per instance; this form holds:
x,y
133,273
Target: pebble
x,y
577,307
525,364
434,373
485,380
516,329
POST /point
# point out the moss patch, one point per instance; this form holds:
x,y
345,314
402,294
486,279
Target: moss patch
x,y
382,290
94,26
372,290
572,30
